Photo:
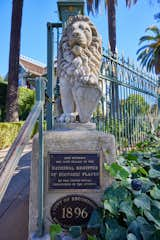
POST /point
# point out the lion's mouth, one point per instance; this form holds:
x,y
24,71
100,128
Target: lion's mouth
x,y
79,42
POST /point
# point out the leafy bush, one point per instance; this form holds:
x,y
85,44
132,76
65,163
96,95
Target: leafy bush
x,y
26,98
8,132
25,102
131,206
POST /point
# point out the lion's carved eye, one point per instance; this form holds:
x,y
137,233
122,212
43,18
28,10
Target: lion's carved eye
x,y
81,26
87,29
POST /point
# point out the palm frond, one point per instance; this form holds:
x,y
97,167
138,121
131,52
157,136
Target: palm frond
x,y
149,55
142,48
153,29
90,6
129,3
147,38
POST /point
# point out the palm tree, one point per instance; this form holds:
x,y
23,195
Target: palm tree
x,y
149,54
12,90
111,10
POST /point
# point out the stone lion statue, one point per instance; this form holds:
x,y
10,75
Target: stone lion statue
x,y
79,60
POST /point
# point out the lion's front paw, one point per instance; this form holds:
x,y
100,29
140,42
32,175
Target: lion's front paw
x,y
68,118
92,80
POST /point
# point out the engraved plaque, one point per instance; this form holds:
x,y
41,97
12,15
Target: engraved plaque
x,y
72,210
74,171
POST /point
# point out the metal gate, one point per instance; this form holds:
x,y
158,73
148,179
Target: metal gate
x,y
129,105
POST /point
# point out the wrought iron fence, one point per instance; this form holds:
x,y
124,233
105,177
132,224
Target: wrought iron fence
x,y
129,103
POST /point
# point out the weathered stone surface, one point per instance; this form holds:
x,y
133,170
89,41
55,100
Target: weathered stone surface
x,y
79,59
69,141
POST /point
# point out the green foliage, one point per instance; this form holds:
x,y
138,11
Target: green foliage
x,y
25,102
134,105
149,54
26,98
132,212
54,230
8,132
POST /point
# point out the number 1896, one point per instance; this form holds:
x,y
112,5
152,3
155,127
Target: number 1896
x,y
77,212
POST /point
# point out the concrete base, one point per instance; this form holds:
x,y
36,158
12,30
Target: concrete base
x,y
72,140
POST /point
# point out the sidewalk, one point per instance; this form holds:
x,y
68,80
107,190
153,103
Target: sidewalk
x,y
14,206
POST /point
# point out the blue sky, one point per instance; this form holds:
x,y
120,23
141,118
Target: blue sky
x,y
131,24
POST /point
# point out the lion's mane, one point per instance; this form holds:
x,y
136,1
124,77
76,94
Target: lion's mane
x,y
84,67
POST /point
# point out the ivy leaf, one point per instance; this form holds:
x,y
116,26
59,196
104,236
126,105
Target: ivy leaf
x,y
131,156
114,231
131,236
142,201
151,218
126,207
89,237
54,230
146,184
146,228
75,231
153,173
155,193
95,220
156,204
143,171
110,205
134,229
118,171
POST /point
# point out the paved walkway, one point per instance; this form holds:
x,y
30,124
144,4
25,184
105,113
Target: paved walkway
x,y
14,206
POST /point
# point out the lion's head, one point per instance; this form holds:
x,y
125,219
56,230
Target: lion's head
x,y
80,51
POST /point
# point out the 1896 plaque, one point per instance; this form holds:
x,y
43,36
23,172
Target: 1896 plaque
x,y
74,171
72,210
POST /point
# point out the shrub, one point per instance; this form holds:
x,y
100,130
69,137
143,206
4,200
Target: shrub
x,y
131,205
26,99
8,132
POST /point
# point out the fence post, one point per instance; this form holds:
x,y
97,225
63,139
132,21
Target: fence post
x,y
50,76
40,89
158,95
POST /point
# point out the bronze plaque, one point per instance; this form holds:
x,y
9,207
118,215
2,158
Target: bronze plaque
x,y
74,171
72,210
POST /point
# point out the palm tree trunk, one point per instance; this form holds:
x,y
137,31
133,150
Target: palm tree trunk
x,y
112,24
12,90
112,42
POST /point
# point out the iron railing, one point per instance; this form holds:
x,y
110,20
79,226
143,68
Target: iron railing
x,y
130,101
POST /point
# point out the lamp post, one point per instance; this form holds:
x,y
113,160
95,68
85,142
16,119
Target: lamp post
x,y
69,8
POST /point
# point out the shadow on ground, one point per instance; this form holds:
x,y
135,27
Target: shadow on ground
x,y
14,206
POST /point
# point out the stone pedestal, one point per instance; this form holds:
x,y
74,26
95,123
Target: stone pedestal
x,y
77,141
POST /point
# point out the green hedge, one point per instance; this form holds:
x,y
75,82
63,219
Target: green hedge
x,y
26,98
8,132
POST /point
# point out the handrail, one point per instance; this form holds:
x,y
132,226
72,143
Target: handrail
x,y
12,158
